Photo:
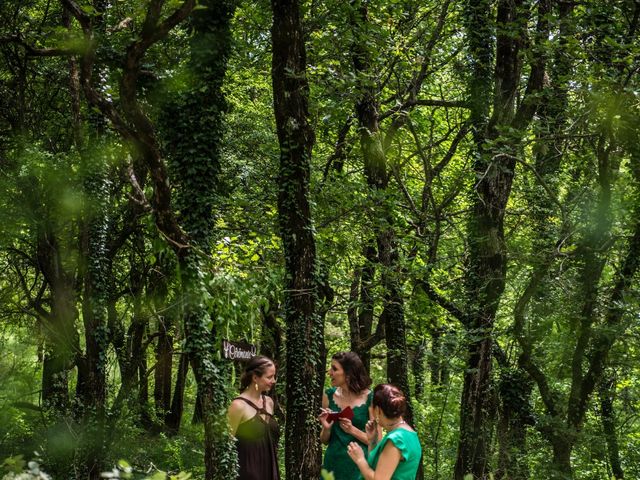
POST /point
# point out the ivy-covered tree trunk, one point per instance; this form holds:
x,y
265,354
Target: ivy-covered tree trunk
x,y
515,415
211,375
91,385
474,405
494,167
304,344
377,175
194,145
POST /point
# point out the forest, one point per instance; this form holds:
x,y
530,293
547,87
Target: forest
x,y
450,189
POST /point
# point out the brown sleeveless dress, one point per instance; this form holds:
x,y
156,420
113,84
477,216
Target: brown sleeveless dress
x,y
257,443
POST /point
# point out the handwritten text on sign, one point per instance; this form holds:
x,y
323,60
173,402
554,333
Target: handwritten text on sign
x,y
238,350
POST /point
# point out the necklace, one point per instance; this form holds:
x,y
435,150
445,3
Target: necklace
x,y
395,424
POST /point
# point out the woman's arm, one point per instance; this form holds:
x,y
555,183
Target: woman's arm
x,y
387,463
373,430
234,415
325,433
352,430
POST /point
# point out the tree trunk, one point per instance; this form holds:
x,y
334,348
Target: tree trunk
x,y
361,308
163,369
60,339
60,329
62,342
375,168
494,168
561,463
474,431
304,325
173,418
158,292
474,412
137,352
515,415
418,360
194,145
197,409
91,386
607,414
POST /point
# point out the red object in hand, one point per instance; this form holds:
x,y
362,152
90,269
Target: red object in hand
x,y
345,413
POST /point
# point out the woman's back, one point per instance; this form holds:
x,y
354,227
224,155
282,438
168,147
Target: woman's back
x,y
408,443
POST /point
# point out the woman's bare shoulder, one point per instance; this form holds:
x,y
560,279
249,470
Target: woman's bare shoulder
x,y
238,405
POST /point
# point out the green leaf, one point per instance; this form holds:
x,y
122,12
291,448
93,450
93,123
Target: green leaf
x,y
15,464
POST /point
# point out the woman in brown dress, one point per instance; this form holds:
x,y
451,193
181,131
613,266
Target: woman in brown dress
x,y
252,422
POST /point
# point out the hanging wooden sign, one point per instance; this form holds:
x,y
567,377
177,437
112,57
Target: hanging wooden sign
x,y
239,351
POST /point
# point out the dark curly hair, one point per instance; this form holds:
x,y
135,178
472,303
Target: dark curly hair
x,y
390,399
256,366
356,376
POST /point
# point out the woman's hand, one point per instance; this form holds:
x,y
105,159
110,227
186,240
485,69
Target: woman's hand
x,y
322,418
371,429
355,453
346,426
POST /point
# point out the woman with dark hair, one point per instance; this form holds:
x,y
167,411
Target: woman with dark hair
x,y
397,455
252,423
349,390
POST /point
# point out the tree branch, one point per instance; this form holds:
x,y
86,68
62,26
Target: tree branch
x,y
525,360
613,320
425,102
39,52
535,84
83,17
449,306
339,153
379,335
152,32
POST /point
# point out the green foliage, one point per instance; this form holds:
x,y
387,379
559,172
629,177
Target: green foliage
x,y
14,464
125,471
327,475
17,470
209,98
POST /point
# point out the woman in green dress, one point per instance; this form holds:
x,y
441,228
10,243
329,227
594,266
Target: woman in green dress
x,y
397,455
350,384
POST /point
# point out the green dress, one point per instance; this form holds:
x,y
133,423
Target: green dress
x,y
336,458
409,445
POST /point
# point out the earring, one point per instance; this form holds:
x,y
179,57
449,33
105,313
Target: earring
x,y
256,384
